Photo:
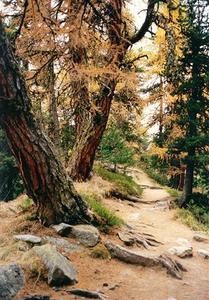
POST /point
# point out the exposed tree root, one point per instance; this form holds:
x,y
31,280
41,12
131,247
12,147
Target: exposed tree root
x,y
174,268
131,237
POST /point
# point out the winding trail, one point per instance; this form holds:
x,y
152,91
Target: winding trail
x,y
157,219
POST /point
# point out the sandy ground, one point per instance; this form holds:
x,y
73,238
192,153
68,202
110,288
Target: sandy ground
x,y
120,281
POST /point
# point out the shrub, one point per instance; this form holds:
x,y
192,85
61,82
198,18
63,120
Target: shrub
x,y
123,183
113,148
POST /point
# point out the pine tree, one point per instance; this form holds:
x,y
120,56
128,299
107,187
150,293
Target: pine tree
x,y
190,81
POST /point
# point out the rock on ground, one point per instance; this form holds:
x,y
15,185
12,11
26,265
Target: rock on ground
x,y
87,235
60,269
181,251
183,242
61,243
203,253
29,238
200,237
11,281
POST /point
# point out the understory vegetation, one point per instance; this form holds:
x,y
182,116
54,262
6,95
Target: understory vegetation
x,y
122,182
108,218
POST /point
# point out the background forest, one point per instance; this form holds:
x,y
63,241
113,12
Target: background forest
x,y
99,86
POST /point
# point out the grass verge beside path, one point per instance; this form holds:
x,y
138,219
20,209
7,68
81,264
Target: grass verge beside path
x,y
109,217
122,182
189,219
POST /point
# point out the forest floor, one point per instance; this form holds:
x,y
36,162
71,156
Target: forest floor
x,y
118,280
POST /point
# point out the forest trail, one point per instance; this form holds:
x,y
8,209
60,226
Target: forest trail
x,y
118,280
158,220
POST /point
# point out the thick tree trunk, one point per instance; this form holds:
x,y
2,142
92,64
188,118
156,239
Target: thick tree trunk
x,y
89,133
90,122
44,177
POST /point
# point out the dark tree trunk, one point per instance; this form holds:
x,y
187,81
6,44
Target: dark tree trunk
x,y
44,177
188,181
53,127
192,132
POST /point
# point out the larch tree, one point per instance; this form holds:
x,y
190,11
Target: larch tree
x,y
92,126
43,175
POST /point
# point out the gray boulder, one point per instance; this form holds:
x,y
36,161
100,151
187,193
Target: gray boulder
x,y
60,269
29,238
87,235
11,281
203,253
181,251
63,229
61,243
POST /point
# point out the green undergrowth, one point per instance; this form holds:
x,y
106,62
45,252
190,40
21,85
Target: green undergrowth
x,y
109,217
158,177
161,179
173,192
26,204
122,182
188,218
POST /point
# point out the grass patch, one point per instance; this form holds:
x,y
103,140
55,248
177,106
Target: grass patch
x,y
189,219
173,192
109,217
26,204
123,183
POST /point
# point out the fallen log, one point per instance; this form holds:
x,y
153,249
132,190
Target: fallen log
x,y
174,268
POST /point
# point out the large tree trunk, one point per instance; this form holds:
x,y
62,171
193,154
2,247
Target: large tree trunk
x,y
44,177
89,133
90,122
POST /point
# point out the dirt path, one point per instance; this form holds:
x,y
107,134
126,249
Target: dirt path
x,y
121,281
150,284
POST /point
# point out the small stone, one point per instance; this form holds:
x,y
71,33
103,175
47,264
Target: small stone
x,y
203,253
60,269
11,281
87,235
28,238
61,243
113,287
200,237
181,251
105,284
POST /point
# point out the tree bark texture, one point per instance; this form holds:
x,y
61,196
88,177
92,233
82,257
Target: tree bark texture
x,y
44,177
53,127
91,123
